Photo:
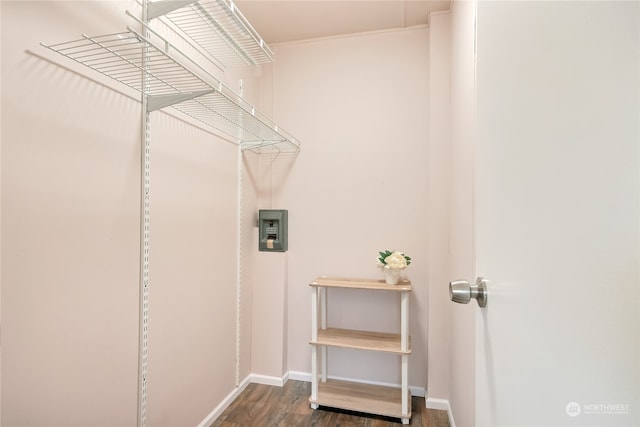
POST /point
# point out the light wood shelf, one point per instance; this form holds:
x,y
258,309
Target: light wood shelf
x,y
362,340
386,401
375,285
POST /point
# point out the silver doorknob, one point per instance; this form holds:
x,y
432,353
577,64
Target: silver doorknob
x,y
461,291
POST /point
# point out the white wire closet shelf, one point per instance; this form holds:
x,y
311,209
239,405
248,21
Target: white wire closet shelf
x,y
218,27
135,61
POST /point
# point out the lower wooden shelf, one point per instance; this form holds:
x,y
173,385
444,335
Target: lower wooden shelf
x,y
372,399
362,340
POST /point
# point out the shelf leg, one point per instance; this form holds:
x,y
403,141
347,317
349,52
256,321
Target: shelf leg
x,y
404,345
405,384
404,321
314,372
323,364
323,325
314,348
323,308
404,420
314,314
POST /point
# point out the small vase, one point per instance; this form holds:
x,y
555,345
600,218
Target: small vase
x,y
391,275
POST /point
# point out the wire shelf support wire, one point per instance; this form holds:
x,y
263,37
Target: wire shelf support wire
x,y
132,59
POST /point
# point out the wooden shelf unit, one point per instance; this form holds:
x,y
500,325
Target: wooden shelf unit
x,y
374,399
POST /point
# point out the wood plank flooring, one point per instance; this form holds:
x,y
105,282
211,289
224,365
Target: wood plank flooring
x,y
269,406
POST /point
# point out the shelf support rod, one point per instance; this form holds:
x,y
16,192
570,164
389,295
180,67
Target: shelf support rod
x,y
145,189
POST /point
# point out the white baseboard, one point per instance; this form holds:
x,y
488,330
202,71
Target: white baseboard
x,y
306,377
209,419
268,380
300,376
442,405
417,391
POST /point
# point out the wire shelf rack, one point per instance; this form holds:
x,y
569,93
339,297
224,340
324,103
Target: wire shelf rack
x,y
161,73
218,27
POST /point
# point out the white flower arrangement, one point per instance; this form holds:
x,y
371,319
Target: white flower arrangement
x,y
393,259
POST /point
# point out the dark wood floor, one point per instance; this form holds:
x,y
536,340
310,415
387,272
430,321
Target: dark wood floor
x,y
265,406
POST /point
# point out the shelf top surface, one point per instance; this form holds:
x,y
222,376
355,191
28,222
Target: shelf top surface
x,y
369,398
373,284
363,340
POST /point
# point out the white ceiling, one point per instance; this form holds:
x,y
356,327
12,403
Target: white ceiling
x,y
280,21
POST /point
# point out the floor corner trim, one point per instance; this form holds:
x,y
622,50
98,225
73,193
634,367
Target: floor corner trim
x,y
442,405
268,379
300,376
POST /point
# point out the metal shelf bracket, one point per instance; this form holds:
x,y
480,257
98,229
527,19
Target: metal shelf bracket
x,y
157,102
159,8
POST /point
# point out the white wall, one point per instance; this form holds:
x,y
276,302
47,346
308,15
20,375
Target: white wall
x,y
248,221
193,253
462,341
70,208
71,231
439,208
359,185
70,227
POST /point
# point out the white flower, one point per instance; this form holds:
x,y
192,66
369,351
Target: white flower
x,y
393,259
396,260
